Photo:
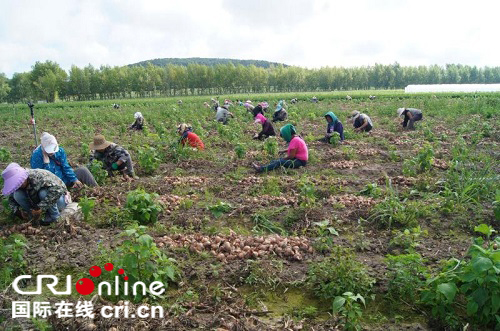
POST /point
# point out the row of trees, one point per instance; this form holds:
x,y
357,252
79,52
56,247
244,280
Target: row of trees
x,y
47,81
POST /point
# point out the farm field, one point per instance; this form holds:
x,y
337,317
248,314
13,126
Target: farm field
x,y
406,221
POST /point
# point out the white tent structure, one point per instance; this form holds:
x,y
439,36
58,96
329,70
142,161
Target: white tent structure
x,y
453,88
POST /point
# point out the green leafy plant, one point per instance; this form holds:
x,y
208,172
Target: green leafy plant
x,y
148,159
429,135
471,284
420,163
85,150
87,205
4,155
465,187
220,208
178,152
307,197
338,273
143,206
335,139
371,190
12,260
349,308
271,147
394,211
408,238
325,232
406,275
142,260
100,174
240,151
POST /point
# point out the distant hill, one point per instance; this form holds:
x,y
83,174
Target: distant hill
x,y
205,61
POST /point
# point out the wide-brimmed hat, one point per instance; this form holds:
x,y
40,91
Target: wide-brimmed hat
x,y
354,114
183,127
49,143
137,115
99,142
400,111
13,177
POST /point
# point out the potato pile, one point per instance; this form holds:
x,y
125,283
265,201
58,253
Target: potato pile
x,y
367,151
170,202
330,181
346,164
399,180
441,164
188,180
233,247
292,199
25,229
351,200
250,180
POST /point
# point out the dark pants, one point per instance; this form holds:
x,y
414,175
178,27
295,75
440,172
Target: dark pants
x,y
412,121
51,214
294,163
85,176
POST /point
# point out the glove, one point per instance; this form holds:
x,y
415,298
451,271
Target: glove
x,y
114,166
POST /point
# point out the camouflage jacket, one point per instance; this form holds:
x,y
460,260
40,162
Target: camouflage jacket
x,y
39,179
113,153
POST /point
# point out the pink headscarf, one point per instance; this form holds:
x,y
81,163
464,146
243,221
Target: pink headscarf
x,y
260,118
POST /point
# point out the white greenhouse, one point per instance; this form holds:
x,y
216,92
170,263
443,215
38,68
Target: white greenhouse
x,y
453,88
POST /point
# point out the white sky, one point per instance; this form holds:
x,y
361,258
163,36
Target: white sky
x,y
307,33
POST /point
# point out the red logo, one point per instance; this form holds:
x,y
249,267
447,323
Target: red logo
x,y
85,286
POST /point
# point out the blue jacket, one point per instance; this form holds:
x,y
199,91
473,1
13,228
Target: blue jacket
x,y
58,165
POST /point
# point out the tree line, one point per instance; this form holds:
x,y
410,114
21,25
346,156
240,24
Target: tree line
x,y
48,81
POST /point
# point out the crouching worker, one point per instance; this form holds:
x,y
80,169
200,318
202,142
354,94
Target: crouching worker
x,y
361,122
297,153
267,127
223,115
188,136
139,121
411,115
113,157
334,125
50,156
280,113
32,192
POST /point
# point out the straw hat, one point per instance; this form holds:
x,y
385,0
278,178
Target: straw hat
x,y
13,177
183,127
99,142
355,114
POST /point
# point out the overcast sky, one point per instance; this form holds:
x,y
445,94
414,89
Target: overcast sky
x,y
307,33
